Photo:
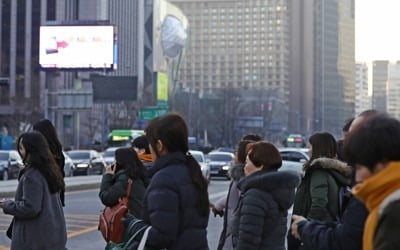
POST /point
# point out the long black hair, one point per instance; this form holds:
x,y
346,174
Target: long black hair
x,y
46,128
38,156
126,158
172,131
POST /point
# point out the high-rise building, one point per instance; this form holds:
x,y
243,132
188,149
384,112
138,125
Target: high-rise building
x,y
393,90
20,87
323,34
236,44
363,101
334,71
379,84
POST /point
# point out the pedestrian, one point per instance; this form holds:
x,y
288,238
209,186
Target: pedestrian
x,y
374,148
266,195
226,205
141,146
344,234
46,128
318,194
115,181
38,217
176,204
251,137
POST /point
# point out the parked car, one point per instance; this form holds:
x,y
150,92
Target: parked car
x,y
205,168
87,162
10,164
293,159
220,163
109,155
68,166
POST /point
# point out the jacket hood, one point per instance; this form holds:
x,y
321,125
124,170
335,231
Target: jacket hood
x,y
237,171
281,185
339,170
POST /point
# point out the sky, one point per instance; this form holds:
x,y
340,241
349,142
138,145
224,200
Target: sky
x,y
377,30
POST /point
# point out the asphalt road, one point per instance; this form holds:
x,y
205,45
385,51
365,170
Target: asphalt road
x,y
81,214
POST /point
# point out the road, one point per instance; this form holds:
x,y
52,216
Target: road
x,y
82,211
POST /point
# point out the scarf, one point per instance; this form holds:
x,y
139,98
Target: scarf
x,y
372,192
146,157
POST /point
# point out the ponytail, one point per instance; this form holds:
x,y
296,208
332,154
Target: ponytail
x,y
200,184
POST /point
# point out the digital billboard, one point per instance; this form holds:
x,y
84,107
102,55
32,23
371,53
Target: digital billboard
x,y
77,47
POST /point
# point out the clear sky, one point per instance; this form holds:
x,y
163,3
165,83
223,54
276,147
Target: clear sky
x,y
377,30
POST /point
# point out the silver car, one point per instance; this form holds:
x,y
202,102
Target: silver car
x,y
10,164
205,168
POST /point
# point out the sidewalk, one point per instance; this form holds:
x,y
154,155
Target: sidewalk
x,y
7,188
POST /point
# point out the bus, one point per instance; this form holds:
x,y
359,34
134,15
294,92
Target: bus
x,y
295,141
123,137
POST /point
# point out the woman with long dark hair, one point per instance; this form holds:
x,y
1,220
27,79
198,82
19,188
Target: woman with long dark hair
x,y
46,128
115,181
318,194
176,204
38,215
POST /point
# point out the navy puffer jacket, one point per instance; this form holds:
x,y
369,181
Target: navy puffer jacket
x,y
170,207
261,216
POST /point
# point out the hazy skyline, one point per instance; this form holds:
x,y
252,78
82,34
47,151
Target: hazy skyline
x,y
377,35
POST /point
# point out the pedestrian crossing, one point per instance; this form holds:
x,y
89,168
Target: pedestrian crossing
x,y
77,224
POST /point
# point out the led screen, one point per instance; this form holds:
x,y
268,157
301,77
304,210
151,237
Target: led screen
x,y
77,47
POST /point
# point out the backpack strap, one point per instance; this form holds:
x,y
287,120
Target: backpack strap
x,y
129,187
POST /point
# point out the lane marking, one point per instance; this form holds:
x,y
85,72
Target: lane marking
x,y
82,191
87,230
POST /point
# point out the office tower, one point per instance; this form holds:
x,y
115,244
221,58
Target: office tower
x,y
379,84
363,100
393,90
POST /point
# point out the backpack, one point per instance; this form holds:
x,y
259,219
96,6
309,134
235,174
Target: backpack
x,y
110,220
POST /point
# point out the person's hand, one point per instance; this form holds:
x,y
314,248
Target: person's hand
x,y
2,201
216,211
111,169
295,221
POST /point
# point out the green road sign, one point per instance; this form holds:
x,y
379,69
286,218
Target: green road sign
x,y
149,113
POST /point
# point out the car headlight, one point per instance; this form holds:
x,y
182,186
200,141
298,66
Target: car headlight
x,y
226,167
82,165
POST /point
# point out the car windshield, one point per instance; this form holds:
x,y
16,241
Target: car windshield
x,y
218,157
109,153
3,156
198,157
79,155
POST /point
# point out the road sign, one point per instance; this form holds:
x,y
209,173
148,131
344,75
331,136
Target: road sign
x,y
149,113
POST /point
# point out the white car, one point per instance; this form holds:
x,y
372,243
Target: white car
x,y
205,168
293,159
109,155
68,165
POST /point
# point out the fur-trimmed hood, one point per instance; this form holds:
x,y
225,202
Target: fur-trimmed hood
x,y
281,185
340,170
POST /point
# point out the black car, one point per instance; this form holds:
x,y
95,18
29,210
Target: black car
x,y
87,162
10,164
